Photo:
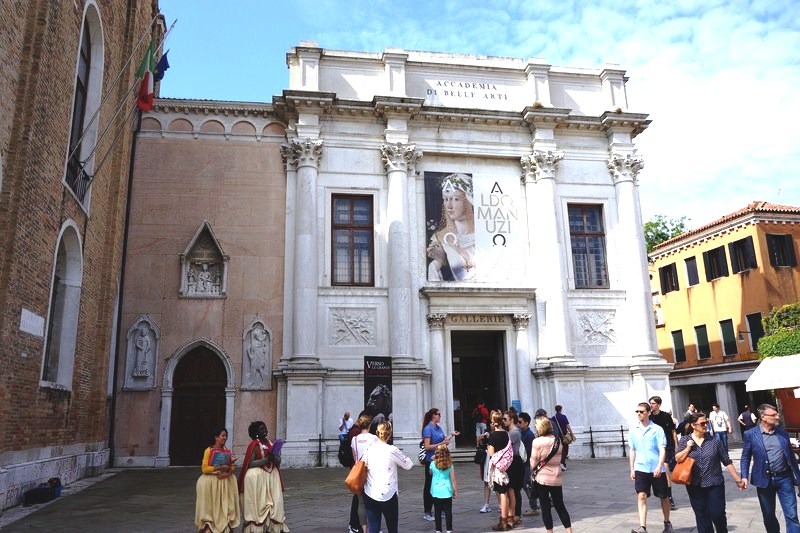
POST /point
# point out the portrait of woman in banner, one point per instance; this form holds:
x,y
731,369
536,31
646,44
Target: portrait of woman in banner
x,y
451,246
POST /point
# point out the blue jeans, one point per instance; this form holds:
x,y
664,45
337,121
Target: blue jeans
x,y
723,438
783,487
708,504
390,509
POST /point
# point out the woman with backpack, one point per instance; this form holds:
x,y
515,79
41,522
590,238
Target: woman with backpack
x,y
501,453
546,472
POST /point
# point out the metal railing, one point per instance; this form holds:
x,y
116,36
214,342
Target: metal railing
x,y
600,433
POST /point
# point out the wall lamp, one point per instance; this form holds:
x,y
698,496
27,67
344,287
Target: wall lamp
x,y
741,337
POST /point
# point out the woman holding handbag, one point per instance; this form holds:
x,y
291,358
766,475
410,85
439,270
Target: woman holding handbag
x,y
380,490
706,488
546,472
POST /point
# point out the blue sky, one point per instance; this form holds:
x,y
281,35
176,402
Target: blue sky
x,y
719,79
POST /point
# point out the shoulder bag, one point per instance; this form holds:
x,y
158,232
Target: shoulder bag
x,y
422,452
682,473
357,477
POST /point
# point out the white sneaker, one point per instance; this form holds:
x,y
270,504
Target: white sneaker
x,y
429,517
485,508
563,467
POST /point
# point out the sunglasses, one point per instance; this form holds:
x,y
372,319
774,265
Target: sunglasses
x,y
701,423
639,412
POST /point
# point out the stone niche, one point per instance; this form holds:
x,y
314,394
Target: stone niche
x,y
204,266
257,356
141,357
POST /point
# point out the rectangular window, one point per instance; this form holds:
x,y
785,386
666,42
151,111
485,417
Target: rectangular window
x,y
728,337
677,343
743,255
781,250
352,240
716,263
588,246
669,278
755,328
691,271
703,348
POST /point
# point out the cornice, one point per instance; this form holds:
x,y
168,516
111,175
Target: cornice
x,y
635,123
387,105
308,100
212,107
547,115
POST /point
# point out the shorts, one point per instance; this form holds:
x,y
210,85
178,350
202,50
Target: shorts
x,y
645,480
500,489
480,429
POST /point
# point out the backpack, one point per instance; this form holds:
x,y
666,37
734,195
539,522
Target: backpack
x,y
506,457
346,454
477,416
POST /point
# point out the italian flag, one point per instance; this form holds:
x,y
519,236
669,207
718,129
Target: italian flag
x,y
145,72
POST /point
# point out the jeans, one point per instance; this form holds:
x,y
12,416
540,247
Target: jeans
x,y
389,509
708,504
443,505
723,438
546,492
783,487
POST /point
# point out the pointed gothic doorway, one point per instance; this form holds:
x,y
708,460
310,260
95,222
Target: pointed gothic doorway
x,y
198,405
478,376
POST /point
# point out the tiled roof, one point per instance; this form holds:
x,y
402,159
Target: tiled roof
x,y
752,208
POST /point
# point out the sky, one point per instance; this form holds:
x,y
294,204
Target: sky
x,y
720,80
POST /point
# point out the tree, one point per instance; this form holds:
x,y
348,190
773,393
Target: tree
x,y
660,228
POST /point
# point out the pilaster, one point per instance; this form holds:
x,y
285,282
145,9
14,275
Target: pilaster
x,y
303,156
438,364
524,388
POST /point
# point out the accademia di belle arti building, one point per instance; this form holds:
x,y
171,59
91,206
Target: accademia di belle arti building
x,y
474,219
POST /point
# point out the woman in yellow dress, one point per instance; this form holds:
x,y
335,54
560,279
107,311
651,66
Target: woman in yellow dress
x,y
217,507
260,485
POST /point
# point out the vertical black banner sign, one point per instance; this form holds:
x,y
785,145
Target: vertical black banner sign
x,y
378,387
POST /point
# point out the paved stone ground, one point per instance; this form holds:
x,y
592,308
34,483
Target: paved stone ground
x,y
598,494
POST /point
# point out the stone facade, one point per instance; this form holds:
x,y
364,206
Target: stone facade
x,y
208,197
60,245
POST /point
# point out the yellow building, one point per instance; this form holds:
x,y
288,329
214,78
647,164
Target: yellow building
x,y
712,285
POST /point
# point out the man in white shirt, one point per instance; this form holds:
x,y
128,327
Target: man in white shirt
x,y
345,423
721,424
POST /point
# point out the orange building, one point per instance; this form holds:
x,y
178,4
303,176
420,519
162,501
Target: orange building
x,y
713,285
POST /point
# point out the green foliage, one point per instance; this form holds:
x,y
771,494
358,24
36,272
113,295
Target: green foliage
x,y
659,229
787,317
780,343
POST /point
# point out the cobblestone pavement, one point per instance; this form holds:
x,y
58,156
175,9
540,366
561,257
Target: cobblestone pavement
x,y
598,495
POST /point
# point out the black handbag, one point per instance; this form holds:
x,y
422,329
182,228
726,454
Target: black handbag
x,y
480,456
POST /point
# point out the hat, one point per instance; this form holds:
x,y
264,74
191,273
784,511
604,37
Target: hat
x,y
540,412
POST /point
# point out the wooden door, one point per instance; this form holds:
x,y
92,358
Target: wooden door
x,y
198,405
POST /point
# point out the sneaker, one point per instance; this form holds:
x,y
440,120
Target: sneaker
x,y
668,528
429,517
640,529
672,506
563,467
350,529
485,508
531,512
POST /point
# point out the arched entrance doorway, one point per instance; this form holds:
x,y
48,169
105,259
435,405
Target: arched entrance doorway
x,y
198,405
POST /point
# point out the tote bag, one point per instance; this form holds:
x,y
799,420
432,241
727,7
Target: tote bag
x,y
357,477
682,473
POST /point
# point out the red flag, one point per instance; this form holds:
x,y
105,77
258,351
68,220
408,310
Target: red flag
x,y
145,72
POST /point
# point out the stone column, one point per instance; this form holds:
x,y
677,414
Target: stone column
x,y
539,178
520,321
304,155
438,366
162,459
639,333
726,398
399,159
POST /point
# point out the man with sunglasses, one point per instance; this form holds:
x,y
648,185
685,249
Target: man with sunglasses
x,y
648,444
775,471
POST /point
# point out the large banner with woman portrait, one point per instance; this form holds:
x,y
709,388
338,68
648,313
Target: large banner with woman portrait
x,y
473,227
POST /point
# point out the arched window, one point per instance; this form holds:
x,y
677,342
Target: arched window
x,y
88,82
62,319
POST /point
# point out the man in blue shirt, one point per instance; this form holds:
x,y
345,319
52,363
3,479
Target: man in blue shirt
x,y
648,444
527,440
775,471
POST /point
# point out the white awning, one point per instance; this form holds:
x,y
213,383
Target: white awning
x,y
775,373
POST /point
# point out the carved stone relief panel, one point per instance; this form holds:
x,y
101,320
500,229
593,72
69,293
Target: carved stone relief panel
x,y
142,344
204,266
597,327
351,327
257,356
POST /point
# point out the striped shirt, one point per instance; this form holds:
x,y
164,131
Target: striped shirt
x,y
706,471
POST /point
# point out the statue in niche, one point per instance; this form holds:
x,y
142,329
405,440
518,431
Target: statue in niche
x,y
204,280
191,276
258,353
142,345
